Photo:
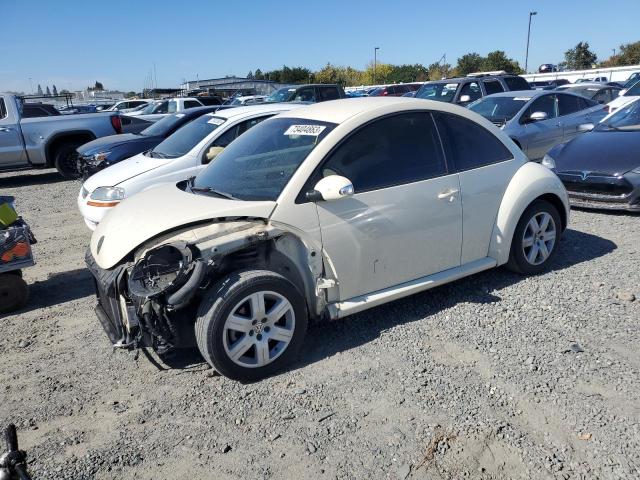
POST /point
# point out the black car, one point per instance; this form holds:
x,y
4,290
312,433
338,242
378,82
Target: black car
x,y
105,151
464,90
311,93
601,168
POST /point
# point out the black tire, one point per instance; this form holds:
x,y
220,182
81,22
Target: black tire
x,y
218,304
518,262
14,292
65,159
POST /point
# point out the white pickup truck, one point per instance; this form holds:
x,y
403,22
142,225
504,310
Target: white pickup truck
x,y
49,141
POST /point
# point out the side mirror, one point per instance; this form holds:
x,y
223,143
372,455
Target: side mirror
x,y
622,92
585,127
538,117
212,153
464,99
332,187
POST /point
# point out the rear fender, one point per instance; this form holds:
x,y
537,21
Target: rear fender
x,y
530,182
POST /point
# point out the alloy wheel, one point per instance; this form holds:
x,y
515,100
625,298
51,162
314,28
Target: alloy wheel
x,y
539,238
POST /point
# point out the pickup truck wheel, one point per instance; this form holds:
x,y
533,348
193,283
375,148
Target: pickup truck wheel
x,y
66,160
14,292
251,324
535,240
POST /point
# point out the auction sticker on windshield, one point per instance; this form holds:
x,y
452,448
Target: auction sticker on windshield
x,y
310,130
216,121
521,99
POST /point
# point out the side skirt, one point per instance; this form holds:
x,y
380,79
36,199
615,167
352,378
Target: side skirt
x,y
369,300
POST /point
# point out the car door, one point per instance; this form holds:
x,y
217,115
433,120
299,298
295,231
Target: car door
x,y
539,137
575,115
403,221
485,167
12,150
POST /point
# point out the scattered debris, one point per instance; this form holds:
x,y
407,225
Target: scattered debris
x,y
584,436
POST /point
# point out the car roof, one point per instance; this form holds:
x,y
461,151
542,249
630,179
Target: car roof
x,y
521,93
258,108
587,84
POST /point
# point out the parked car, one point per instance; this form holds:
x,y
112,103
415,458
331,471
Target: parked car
x,y
391,91
632,80
180,156
125,106
49,141
537,120
307,93
549,84
246,100
601,169
465,90
625,97
106,151
210,100
547,68
319,213
161,108
598,92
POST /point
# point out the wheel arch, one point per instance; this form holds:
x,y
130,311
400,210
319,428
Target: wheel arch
x,y
531,182
61,138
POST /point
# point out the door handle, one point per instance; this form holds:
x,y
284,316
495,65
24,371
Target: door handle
x,y
5,129
448,194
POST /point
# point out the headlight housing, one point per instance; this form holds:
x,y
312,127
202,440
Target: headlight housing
x,y
162,270
97,159
549,162
107,194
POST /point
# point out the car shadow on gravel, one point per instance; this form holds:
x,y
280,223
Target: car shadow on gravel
x,y
322,342
59,288
30,179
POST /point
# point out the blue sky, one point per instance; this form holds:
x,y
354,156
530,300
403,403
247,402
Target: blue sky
x,y
72,43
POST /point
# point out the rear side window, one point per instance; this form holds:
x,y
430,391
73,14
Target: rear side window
x,y
493,86
329,94
568,104
516,83
3,108
468,144
391,151
191,104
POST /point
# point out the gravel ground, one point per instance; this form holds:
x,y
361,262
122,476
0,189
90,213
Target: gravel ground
x,y
494,376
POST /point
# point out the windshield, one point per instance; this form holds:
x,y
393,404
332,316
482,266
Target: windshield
x,y
185,138
163,126
631,80
442,92
627,119
499,109
634,91
259,163
281,95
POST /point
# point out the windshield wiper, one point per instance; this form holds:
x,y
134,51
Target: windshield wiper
x,y
209,190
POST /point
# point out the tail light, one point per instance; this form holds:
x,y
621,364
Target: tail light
x,y
385,93
116,123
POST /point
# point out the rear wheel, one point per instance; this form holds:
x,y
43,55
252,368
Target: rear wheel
x,y
14,292
535,239
66,160
251,324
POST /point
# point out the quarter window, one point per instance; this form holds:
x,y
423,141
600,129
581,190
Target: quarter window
x,y
391,151
468,144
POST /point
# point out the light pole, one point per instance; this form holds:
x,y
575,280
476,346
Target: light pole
x,y
526,59
375,62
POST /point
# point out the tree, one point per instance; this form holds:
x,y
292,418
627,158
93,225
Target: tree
x,y
408,73
498,60
39,90
438,71
468,63
130,94
629,55
97,87
64,91
381,74
258,75
48,94
580,57
250,75
55,91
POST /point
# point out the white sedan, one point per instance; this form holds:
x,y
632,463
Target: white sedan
x,y
320,213
625,97
180,156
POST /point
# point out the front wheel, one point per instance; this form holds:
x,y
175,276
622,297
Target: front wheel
x,y
535,240
66,160
251,324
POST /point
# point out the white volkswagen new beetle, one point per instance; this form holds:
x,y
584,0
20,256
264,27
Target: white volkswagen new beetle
x,y
180,156
319,213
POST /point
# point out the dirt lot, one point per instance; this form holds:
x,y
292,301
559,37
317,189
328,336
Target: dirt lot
x,y
495,376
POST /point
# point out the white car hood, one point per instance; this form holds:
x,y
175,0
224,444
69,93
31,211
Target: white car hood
x,y
124,170
159,210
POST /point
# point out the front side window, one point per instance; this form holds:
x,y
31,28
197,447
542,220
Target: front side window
x,y
259,164
186,137
545,103
493,86
468,144
281,95
472,89
441,91
305,95
391,151
499,109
